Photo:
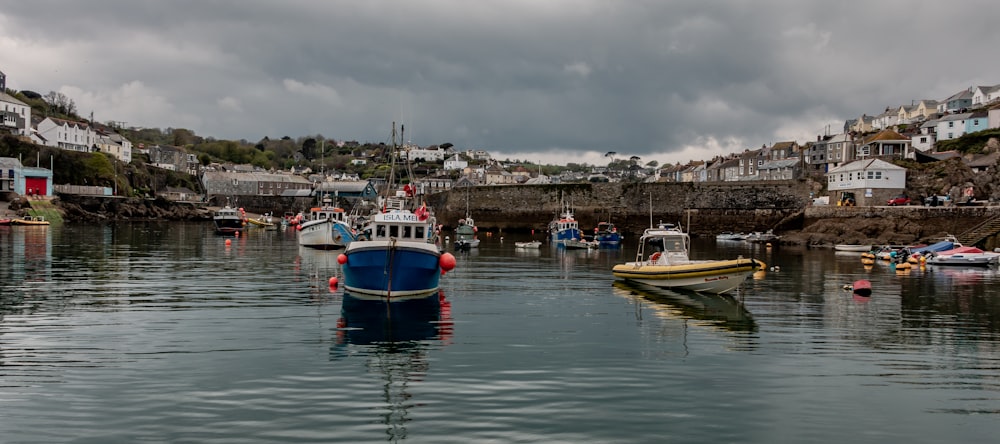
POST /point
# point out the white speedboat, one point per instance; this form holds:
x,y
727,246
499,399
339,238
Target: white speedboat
x,y
730,236
853,248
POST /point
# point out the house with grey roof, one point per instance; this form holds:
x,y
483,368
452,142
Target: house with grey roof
x,y
227,183
951,126
957,102
15,115
784,169
868,182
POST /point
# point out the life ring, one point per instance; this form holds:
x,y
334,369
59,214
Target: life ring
x,y
653,257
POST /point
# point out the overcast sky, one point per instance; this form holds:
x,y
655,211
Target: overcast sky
x,y
552,81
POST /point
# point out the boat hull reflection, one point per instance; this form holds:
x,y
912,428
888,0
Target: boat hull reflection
x,y
722,311
366,320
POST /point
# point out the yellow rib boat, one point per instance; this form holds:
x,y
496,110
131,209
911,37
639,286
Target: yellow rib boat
x,y
668,266
30,220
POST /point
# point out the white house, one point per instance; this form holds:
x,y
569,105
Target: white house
x,y
994,116
477,155
455,163
425,155
951,126
15,115
867,182
984,95
924,140
65,134
885,120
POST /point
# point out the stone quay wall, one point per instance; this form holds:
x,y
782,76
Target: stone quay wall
x,y
705,208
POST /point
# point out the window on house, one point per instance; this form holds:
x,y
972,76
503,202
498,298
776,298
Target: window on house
x,y
951,135
923,140
951,124
975,122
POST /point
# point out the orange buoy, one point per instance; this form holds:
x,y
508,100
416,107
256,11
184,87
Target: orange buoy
x,y
229,242
341,258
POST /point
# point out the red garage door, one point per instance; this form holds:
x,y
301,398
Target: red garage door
x,y
35,185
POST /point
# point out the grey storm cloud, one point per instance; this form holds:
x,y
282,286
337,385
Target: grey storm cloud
x,y
649,78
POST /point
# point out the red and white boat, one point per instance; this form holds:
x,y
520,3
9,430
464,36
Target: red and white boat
x,y
964,256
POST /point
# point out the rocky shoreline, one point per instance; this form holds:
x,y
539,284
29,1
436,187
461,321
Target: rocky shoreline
x,y
83,209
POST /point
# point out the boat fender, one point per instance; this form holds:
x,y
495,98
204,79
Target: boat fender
x,y
653,257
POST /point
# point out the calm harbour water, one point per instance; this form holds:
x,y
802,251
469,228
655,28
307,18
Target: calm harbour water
x,y
162,333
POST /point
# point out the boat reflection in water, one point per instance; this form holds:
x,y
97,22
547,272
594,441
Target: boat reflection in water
x,y
721,311
394,337
367,319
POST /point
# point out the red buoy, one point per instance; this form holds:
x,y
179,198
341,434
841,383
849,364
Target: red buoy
x,y
447,262
341,258
333,282
229,242
862,287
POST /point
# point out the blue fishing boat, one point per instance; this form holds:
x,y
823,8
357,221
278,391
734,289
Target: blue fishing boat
x,y
564,227
397,254
607,235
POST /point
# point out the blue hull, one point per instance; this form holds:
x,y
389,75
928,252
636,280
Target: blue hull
x,y
412,271
609,240
562,235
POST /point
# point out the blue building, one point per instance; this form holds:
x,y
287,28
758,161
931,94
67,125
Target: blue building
x,y
22,180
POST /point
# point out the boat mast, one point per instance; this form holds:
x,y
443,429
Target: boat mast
x,y
392,164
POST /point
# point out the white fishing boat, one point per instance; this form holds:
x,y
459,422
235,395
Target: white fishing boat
x,y
527,245
668,264
326,227
465,232
581,244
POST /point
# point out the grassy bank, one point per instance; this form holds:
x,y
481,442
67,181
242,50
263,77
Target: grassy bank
x,y
45,209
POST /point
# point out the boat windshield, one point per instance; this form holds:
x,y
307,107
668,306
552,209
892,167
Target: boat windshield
x,y
666,244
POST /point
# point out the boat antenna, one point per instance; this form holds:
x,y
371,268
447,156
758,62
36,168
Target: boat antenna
x,y
650,209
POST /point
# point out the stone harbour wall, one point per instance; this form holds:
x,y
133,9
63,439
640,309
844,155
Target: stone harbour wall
x,y
711,208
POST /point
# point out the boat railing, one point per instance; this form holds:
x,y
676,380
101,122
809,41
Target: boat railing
x,y
395,203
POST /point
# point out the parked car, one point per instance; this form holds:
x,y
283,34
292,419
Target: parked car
x,y
936,201
898,200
